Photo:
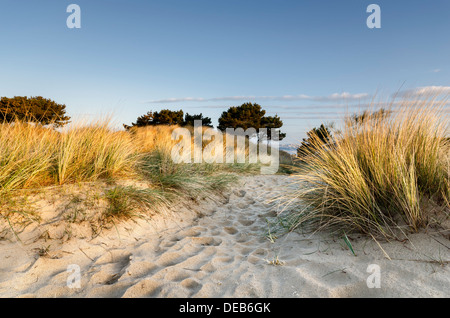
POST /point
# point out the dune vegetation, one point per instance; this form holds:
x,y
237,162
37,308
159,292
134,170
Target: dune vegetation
x,y
130,172
385,175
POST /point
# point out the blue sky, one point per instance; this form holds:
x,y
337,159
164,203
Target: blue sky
x,y
307,61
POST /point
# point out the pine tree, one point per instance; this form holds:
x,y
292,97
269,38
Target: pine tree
x,y
163,117
321,136
272,122
34,109
189,120
250,115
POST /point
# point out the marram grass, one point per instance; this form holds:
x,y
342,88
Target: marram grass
x,y
381,176
34,158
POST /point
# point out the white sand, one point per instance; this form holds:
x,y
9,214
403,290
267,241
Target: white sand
x,y
224,253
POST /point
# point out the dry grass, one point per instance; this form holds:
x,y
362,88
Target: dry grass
x,y
34,156
34,159
379,175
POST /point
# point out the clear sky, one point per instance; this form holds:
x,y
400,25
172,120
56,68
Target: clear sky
x,y
303,60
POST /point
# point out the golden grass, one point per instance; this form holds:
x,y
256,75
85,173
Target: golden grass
x,y
38,160
34,156
378,175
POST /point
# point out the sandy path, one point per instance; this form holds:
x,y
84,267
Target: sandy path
x,y
227,253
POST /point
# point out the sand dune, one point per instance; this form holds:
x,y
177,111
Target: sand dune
x,y
220,248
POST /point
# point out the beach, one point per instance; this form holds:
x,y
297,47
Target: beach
x,y
223,246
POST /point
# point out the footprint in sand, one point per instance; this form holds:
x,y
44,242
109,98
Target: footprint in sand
x,y
207,241
239,193
245,221
144,288
231,230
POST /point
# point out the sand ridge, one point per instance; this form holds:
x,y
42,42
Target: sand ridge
x,y
221,248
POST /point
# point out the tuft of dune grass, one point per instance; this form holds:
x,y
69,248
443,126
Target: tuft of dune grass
x,y
26,155
36,156
88,153
129,201
378,176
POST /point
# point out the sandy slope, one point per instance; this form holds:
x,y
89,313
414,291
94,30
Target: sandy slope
x,y
221,249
